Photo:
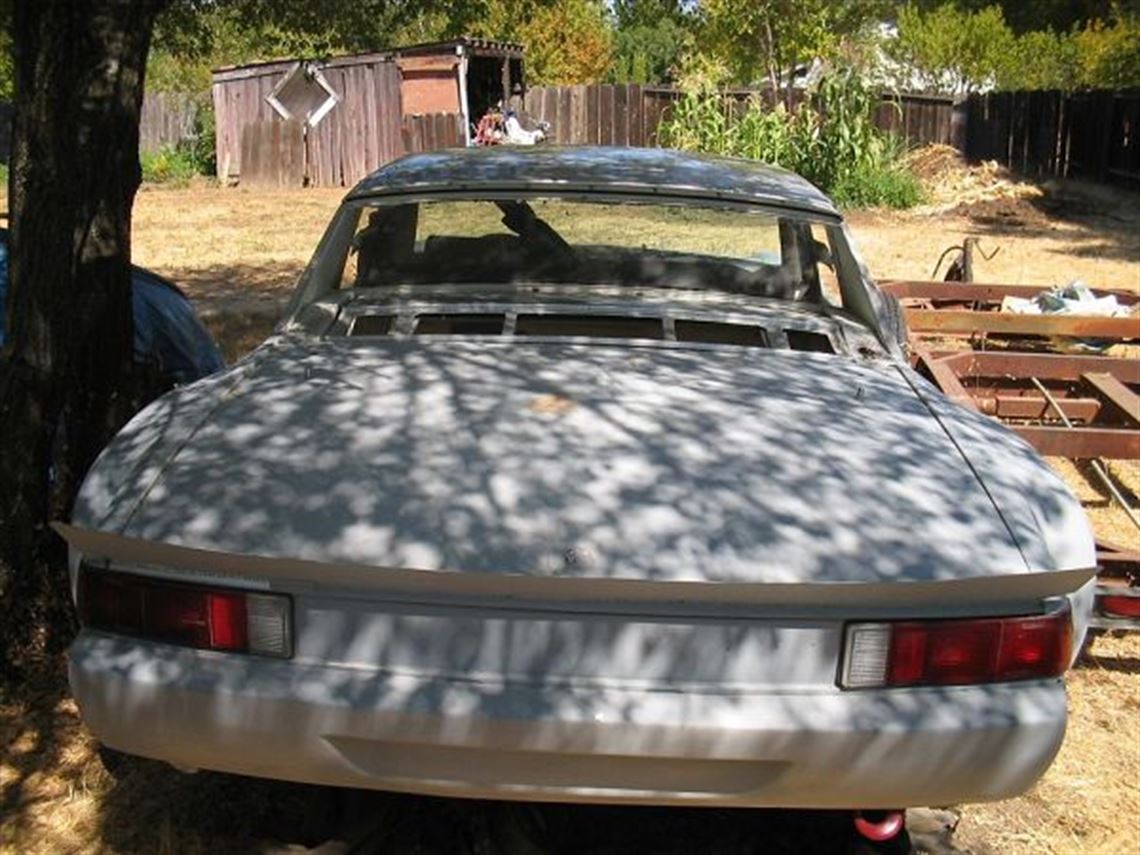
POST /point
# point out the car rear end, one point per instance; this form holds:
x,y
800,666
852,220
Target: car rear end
x,y
576,698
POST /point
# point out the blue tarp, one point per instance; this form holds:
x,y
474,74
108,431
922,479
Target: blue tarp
x,y
168,334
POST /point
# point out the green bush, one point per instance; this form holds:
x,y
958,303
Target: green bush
x,y
169,165
831,139
205,156
889,186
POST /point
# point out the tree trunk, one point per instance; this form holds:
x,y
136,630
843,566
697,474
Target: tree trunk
x,y
771,62
67,381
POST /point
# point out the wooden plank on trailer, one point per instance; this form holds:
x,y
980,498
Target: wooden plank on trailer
x,y
981,292
965,322
1116,393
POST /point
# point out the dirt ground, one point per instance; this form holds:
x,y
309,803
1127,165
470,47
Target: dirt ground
x,y
237,252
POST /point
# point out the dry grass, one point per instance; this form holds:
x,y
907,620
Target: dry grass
x,y
240,250
1086,803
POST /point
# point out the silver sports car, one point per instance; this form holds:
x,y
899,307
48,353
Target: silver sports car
x,y
583,475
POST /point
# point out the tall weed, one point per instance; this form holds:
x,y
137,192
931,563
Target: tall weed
x,y
831,139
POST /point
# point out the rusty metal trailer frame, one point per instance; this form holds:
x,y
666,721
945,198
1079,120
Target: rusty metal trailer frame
x,y
1075,406
965,308
1091,390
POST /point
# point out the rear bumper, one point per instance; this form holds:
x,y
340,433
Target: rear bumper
x,y
362,728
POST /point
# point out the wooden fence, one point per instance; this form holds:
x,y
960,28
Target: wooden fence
x,y
273,153
1091,135
167,119
432,131
924,119
629,114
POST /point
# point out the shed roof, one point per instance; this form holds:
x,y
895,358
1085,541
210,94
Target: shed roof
x,y
473,46
597,169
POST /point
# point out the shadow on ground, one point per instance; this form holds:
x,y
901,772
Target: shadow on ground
x,y
225,813
1108,217
35,731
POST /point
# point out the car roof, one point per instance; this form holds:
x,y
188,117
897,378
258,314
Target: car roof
x,y
596,169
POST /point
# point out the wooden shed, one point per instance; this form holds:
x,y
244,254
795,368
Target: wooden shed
x,y
331,122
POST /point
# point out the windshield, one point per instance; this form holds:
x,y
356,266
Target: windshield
x,y
565,241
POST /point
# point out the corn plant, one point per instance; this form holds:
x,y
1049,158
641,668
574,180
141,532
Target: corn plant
x,y
830,139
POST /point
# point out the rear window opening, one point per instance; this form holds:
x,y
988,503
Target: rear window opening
x,y
594,326
810,341
460,324
372,325
711,332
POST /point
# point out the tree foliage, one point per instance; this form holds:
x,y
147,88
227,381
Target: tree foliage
x,y
568,42
1060,16
948,49
649,38
767,39
648,53
951,48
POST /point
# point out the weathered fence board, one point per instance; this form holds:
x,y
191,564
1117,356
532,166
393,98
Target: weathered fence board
x,y
273,153
167,119
1089,135
432,131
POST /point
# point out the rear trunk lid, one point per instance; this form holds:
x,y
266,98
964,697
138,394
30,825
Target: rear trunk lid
x,y
659,463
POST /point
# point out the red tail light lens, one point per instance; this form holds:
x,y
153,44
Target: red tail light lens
x,y
957,652
1113,605
185,614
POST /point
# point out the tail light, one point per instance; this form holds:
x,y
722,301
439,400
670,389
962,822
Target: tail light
x,y
957,652
191,615
1119,605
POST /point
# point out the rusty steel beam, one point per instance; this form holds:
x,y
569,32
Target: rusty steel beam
x,y
1082,443
1036,407
945,378
1116,393
1044,366
966,322
972,292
